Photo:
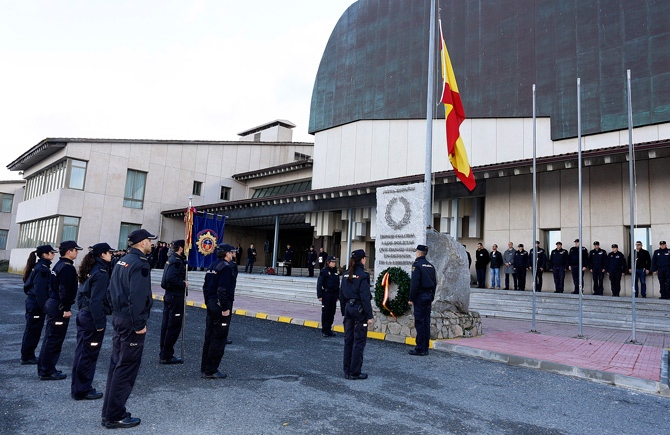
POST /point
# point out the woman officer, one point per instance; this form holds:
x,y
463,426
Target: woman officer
x,y
357,311
94,307
36,281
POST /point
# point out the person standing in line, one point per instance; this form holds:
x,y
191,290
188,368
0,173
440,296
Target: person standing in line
x,y
175,285
356,308
311,261
36,282
642,268
62,294
574,264
288,259
598,267
496,264
482,260
616,266
421,295
328,292
162,254
508,261
251,259
238,254
558,263
219,293
323,256
660,265
521,263
130,294
541,264
94,307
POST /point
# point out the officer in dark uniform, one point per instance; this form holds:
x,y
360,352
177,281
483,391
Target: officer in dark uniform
x,y
574,264
130,293
175,285
219,294
598,267
421,295
311,261
94,307
328,292
288,259
660,265
541,264
616,266
62,295
36,282
356,308
558,263
521,263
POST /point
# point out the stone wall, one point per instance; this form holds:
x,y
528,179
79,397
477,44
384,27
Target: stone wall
x,y
442,325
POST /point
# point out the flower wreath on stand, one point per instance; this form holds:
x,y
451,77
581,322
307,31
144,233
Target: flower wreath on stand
x,y
399,305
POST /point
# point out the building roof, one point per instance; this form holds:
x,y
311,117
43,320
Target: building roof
x,y
281,122
274,170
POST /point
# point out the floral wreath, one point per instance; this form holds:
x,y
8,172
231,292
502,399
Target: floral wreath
x,y
406,217
399,305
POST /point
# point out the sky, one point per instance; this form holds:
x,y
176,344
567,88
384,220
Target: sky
x,y
156,69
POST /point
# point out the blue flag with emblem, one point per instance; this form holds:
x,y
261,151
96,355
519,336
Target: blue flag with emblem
x,y
207,235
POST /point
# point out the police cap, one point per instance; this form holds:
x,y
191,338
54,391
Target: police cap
x,y
69,244
422,248
358,254
100,248
227,248
614,245
44,249
138,235
179,243
331,258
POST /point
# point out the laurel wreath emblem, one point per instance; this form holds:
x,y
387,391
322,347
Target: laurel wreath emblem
x,y
406,217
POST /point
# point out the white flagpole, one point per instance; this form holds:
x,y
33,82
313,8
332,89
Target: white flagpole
x,y
579,169
533,329
631,187
429,119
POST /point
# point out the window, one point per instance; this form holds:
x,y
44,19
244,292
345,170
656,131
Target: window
x,y
77,174
284,189
7,202
50,231
197,188
225,193
49,179
134,193
3,239
257,137
643,234
126,229
551,237
301,156
70,228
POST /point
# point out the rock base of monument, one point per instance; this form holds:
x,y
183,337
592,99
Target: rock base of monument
x,y
443,325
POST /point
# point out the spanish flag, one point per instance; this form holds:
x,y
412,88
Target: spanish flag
x,y
453,108
188,220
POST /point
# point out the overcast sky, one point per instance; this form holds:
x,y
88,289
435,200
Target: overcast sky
x,y
156,69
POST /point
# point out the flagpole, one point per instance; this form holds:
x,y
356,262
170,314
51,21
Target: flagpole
x,y
429,119
187,248
579,188
533,329
631,187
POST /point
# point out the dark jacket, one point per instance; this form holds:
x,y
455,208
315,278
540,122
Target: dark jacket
x,y
211,283
521,260
38,283
616,262
660,260
323,256
481,258
174,275
130,288
358,289
496,259
558,259
227,281
574,257
251,254
64,284
597,259
311,256
642,260
329,280
94,293
541,258
423,279
288,255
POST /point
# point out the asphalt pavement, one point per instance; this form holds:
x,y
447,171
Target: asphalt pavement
x,y
286,378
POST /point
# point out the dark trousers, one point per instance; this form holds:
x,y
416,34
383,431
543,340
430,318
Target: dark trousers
x,y
249,266
34,325
355,336
615,282
575,277
173,315
287,265
310,268
538,280
521,278
127,347
481,278
664,282
89,343
422,322
598,276
507,280
216,335
642,278
328,307
559,279
56,329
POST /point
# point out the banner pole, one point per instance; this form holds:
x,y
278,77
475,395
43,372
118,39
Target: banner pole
x,y
187,248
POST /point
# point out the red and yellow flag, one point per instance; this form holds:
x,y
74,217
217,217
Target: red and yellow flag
x,y
453,108
188,220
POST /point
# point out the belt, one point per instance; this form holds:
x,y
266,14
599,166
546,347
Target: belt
x,y
86,308
354,301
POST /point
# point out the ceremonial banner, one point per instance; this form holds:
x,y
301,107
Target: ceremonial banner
x,y
207,234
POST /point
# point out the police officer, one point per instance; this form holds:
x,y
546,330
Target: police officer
x,y
328,292
642,268
311,261
616,266
94,307
288,259
175,285
541,264
130,293
36,282
421,295
219,294
660,265
574,264
521,263
598,266
356,308
558,263
62,294
482,259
